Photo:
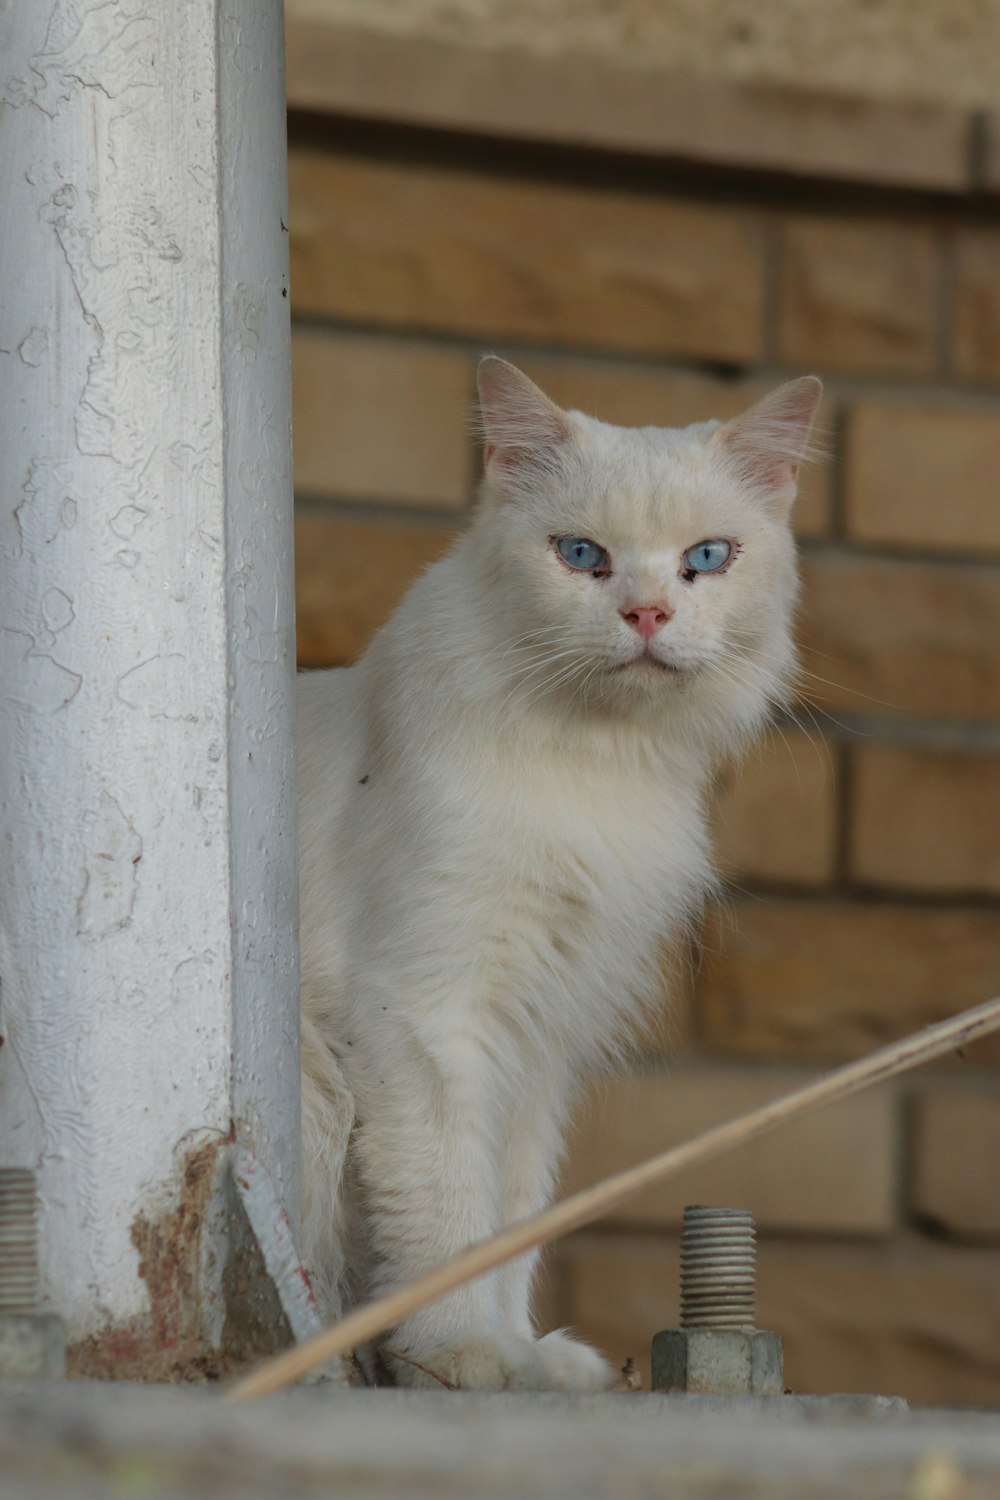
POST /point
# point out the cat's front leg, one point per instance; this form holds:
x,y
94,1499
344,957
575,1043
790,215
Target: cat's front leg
x,y
429,1157
533,1148
427,1166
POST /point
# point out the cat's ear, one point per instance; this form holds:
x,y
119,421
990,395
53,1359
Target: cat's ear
x,y
521,428
767,443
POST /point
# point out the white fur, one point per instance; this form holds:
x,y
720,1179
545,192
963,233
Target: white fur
x,y
501,821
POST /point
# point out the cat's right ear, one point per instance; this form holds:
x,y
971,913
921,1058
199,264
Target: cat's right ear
x,y
767,443
521,428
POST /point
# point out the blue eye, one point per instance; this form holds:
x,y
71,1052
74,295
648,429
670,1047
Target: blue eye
x,y
708,557
582,553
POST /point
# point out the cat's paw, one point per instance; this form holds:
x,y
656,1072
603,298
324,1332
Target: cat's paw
x,y
478,1362
501,1362
571,1366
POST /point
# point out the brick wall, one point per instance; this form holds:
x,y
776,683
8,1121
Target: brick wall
x,y
863,841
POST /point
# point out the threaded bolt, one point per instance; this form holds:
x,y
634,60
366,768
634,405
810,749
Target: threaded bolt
x,y
18,1242
718,1268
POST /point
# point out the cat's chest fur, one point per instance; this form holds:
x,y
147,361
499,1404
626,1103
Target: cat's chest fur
x,y
571,875
525,884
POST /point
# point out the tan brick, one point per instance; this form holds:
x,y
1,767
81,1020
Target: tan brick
x,y
859,295
924,821
924,476
634,396
955,1160
380,419
775,814
914,1319
416,247
828,980
364,72
349,577
901,639
975,336
832,1172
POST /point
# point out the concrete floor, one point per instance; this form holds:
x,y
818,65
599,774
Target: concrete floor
x,y
157,1443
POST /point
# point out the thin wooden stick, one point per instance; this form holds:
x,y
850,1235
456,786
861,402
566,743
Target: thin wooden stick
x,y
582,1208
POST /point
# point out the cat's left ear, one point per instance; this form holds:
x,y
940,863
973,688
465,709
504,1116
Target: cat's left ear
x,y
767,443
522,428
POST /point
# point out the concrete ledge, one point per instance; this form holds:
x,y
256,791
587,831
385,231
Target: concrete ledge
x,y
518,95
91,1440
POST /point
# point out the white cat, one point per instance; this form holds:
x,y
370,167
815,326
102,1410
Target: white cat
x,y
502,818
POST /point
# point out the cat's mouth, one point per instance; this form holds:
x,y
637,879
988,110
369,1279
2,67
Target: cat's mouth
x,y
645,662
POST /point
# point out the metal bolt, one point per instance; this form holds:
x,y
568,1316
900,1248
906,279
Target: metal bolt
x,y
718,1268
717,1350
18,1241
31,1344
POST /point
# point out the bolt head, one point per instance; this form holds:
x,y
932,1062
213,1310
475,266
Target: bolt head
x,y
718,1362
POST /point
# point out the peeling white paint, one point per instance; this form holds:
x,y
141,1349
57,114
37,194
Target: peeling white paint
x,y
160,687
109,876
57,610
147,946
31,679
125,522
34,346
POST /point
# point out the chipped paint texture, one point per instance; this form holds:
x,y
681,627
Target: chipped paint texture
x,y
147,878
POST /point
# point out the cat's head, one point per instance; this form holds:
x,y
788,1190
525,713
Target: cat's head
x,y
634,570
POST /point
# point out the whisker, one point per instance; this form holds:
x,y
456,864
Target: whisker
x,y
812,707
818,744
585,684
534,641
550,660
843,688
541,690
775,728
526,676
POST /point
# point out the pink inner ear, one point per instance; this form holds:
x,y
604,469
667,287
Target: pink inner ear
x,y
505,459
517,416
769,441
773,475
778,473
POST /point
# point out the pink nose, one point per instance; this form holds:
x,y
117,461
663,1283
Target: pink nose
x,y
646,619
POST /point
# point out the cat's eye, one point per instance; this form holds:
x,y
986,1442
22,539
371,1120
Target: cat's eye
x,y
708,557
580,552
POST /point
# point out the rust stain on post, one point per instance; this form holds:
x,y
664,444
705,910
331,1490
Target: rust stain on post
x,y
167,1343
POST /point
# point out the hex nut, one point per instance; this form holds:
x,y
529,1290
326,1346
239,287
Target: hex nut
x,y
32,1347
720,1362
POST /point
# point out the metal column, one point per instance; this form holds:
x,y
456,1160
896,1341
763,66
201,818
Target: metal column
x,y
148,961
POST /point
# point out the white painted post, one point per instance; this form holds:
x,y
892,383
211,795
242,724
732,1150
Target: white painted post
x,y
148,971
